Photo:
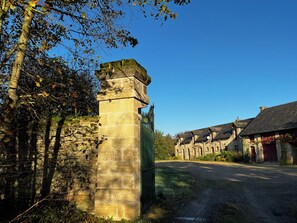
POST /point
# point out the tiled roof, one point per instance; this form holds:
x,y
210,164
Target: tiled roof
x,y
278,118
186,136
187,140
225,131
242,123
201,134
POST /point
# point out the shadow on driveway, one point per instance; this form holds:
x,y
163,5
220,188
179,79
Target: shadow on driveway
x,y
253,193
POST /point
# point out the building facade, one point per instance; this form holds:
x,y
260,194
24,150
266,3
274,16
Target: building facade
x,y
214,139
272,135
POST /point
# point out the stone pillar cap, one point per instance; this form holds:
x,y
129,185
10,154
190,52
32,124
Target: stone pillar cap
x,y
123,68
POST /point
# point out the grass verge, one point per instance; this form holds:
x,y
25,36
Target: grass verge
x,y
173,189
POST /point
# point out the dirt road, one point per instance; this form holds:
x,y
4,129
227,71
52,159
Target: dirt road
x,y
229,192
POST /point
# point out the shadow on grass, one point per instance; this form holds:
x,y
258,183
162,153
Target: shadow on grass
x,y
173,189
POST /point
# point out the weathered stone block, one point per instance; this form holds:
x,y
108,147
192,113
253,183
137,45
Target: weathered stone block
x,y
109,181
106,156
131,211
128,182
118,131
123,69
124,167
103,195
110,106
124,196
107,210
128,155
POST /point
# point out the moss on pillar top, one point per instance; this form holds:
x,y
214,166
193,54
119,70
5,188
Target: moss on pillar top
x,y
123,68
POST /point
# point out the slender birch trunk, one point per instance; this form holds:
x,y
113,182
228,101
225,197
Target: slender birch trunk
x,y
8,146
20,55
4,7
12,97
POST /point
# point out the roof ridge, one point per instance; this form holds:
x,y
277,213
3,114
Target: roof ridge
x,y
275,106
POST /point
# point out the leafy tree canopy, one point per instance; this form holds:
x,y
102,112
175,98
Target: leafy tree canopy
x,y
164,146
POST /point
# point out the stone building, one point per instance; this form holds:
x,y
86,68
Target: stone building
x,y
184,145
272,135
209,140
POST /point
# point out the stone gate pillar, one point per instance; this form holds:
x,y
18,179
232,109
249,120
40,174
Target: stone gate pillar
x,y
122,95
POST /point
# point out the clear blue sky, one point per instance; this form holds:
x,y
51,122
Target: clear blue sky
x,y
219,60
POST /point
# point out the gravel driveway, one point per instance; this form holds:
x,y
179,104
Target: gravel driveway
x,y
244,193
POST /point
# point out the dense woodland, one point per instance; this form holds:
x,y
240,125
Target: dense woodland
x,y
37,84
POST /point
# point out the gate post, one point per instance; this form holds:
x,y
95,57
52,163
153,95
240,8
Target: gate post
x,y
122,95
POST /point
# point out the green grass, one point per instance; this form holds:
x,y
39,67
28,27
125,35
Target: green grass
x,y
172,183
173,189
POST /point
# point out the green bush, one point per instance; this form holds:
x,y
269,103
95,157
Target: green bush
x,y
246,157
219,158
232,156
224,156
208,157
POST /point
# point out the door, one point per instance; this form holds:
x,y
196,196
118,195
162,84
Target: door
x,y
253,154
270,154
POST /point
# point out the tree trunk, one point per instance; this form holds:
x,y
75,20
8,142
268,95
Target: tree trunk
x,y
50,165
12,97
3,11
33,159
19,59
7,136
46,157
23,163
54,159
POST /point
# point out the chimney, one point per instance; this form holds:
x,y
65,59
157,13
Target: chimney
x,y
262,108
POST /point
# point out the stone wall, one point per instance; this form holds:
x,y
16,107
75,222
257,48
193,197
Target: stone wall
x,y
75,165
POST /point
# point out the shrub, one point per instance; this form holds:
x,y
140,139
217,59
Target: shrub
x,y
232,156
246,157
225,156
208,157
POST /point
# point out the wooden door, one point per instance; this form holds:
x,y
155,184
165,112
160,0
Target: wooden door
x,y
270,153
253,154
